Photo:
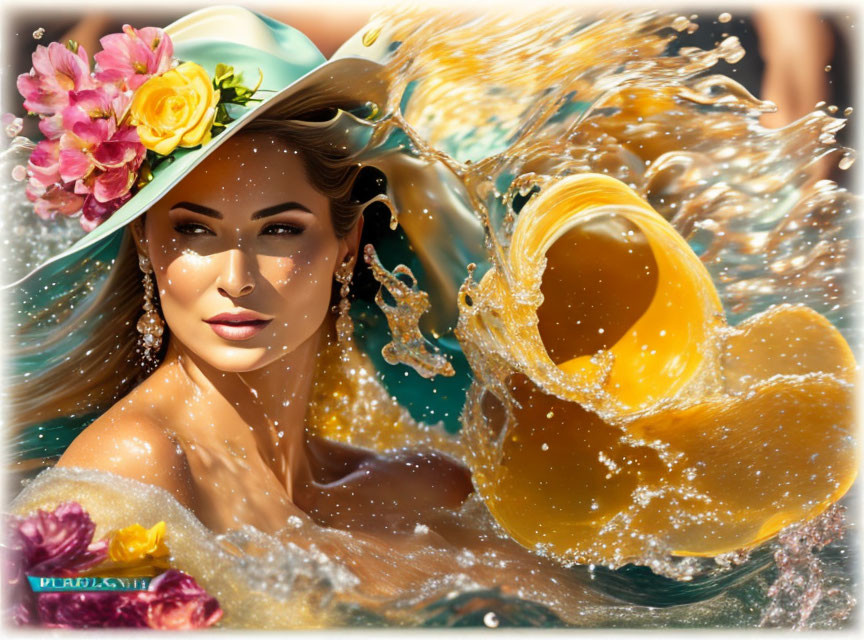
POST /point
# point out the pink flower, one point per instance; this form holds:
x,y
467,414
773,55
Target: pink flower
x,y
95,213
180,603
52,126
116,163
20,604
123,150
88,161
87,125
99,158
56,71
133,56
59,542
173,601
47,203
89,609
43,167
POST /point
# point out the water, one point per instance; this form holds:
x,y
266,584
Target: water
x,y
628,513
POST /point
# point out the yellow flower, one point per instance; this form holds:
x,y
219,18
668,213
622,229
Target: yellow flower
x,y
176,108
136,543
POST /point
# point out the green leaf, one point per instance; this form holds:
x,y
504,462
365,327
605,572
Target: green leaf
x,y
231,88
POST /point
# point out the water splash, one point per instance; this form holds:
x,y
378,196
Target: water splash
x,y
527,111
408,345
801,583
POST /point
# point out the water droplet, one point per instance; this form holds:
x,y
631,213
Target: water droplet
x,y
19,173
846,161
827,68
680,23
724,17
37,35
490,620
14,126
847,111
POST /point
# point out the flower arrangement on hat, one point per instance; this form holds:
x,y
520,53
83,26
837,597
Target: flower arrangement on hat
x,y
60,544
108,127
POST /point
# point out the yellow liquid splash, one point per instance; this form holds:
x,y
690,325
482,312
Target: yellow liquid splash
x,y
616,411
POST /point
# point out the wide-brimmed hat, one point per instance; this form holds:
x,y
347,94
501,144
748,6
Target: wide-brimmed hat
x,y
255,45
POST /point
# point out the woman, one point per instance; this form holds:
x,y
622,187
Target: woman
x,y
583,381
221,422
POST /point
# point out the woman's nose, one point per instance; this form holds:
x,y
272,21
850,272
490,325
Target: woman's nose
x,y
236,278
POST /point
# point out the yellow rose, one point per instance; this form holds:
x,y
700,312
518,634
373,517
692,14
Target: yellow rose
x,y
176,108
136,543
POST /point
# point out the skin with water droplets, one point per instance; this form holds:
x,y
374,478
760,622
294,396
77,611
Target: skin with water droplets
x,y
246,457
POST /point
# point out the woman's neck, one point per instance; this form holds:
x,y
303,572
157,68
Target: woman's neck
x,y
269,403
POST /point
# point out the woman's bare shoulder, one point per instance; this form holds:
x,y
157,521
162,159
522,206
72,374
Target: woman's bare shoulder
x,y
133,443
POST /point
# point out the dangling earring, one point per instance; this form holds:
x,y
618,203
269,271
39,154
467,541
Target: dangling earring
x,y
344,324
150,325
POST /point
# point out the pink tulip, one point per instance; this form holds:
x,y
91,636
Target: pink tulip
x,y
133,56
56,71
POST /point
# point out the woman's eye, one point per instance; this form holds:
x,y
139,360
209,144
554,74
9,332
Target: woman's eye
x,y
192,229
282,229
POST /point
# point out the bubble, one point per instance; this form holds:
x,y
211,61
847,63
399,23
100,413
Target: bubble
x,y
827,68
724,17
13,125
37,35
680,23
19,173
491,620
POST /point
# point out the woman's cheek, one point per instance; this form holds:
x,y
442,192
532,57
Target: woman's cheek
x,y
186,278
281,272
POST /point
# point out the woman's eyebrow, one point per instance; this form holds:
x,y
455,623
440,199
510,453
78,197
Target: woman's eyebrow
x,y
197,208
263,213
276,208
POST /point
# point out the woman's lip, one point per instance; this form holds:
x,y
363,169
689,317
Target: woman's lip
x,y
237,331
234,318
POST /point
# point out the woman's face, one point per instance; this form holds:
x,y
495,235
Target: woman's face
x,y
245,231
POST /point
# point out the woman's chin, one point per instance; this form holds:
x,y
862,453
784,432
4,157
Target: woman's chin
x,y
238,359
